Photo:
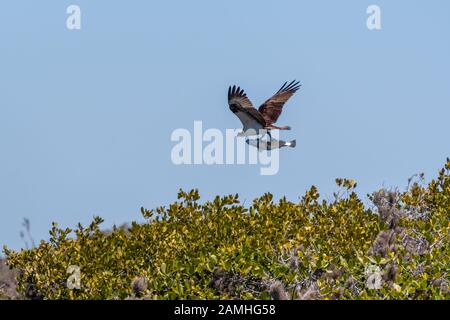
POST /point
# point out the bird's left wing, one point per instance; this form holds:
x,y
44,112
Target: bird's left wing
x,y
241,105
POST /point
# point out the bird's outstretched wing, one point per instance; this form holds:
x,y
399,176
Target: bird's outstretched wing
x,y
242,107
272,108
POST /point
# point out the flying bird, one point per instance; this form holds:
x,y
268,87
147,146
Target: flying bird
x,y
267,114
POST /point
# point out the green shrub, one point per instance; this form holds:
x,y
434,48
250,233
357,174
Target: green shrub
x,y
310,249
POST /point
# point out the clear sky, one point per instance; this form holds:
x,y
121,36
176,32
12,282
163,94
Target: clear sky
x,y
86,115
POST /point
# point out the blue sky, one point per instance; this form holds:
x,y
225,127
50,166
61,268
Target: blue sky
x,y
86,115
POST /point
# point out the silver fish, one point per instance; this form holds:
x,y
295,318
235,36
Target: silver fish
x,y
270,144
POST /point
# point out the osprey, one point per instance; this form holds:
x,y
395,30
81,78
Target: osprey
x,y
267,114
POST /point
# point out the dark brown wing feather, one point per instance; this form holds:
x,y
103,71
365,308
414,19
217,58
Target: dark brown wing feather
x,y
272,108
238,102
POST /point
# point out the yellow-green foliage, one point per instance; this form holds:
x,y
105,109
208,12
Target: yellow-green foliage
x,y
310,249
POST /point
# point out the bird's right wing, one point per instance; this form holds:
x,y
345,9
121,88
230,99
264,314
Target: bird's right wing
x,y
272,108
241,106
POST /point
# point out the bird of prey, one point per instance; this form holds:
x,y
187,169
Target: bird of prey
x,y
260,121
270,144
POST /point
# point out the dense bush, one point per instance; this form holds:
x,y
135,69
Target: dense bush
x,y
7,282
311,249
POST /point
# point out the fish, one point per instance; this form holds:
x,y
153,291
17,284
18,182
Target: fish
x,y
270,144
